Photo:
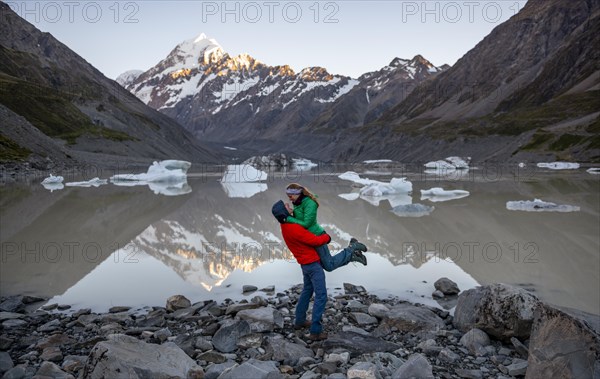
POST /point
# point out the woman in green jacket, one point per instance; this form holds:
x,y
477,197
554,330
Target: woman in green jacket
x,y
304,213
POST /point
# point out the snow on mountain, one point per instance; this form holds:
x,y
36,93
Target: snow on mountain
x,y
128,77
236,99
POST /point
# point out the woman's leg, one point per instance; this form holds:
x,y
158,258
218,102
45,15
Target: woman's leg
x,y
330,262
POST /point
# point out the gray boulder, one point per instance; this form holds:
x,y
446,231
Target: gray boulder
x,y
562,346
226,338
357,344
410,318
476,340
500,310
50,370
286,352
261,320
364,370
252,368
213,371
416,366
6,362
446,286
123,356
378,310
176,302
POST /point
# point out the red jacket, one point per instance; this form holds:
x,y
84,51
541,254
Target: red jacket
x,y
302,243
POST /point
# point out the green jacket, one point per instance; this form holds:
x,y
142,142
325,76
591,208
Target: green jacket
x,y
305,214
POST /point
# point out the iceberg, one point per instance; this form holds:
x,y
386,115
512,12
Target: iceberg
x,y
593,170
170,189
538,205
53,179
349,196
450,163
412,210
96,182
243,190
53,186
374,161
394,199
243,174
302,164
437,194
168,171
377,188
559,165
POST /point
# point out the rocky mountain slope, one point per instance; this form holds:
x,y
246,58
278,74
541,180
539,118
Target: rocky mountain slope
x,y
530,87
243,101
58,108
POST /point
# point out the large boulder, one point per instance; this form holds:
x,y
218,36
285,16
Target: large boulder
x,y
252,368
176,302
357,344
284,351
446,286
500,310
226,338
123,356
264,319
562,346
417,366
410,318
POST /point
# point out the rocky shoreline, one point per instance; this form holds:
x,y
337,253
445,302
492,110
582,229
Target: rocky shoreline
x,y
497,331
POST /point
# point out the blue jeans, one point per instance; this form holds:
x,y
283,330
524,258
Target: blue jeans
x,y
314,281
330,262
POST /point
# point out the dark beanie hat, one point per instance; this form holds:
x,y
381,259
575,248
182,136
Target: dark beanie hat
x,y
280,212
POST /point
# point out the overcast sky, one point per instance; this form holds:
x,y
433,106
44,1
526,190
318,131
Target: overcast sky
x,y
346,37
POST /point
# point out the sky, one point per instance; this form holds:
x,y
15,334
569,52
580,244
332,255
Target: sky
x,y
346,37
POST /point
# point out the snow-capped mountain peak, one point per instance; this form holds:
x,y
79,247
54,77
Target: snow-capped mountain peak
x,y
128,77
198,51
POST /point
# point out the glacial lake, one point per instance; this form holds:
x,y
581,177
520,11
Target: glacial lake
x,y
136,245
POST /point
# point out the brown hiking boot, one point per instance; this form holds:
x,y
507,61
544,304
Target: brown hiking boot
x,y
305,324
317,337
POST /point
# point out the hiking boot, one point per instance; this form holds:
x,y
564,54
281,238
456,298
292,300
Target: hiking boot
x,y
305,324
355,245
317,337
357,256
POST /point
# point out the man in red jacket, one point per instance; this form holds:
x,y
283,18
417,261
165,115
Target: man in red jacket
x,y
302,244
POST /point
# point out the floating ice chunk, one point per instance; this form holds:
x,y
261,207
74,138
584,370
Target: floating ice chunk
x,y
170,189
459,163
53,179
394,199
412,210
594,170
521,165
377,188
53,186
230,148
450,163
538,205
439,194
242,174
448,174
303,164
169,171
349,196
440,165
559,165
396,185
96,182
243,190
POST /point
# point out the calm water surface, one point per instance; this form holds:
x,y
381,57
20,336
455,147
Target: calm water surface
x,y
136,246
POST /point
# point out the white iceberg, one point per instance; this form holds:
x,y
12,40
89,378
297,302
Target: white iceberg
x,y
377,188
53,179
243,190
349,196
393,199
594,170
170,189
538,205
521,165
242,174
96,182
559,165
302,164
437,194
412,210
53,186
450,163
169,171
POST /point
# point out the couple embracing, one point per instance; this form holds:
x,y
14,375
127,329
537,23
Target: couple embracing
x,y
307,241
